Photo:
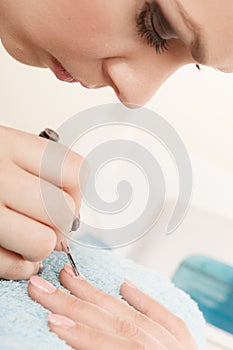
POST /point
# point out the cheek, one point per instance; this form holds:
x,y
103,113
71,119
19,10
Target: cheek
x,y
73,35
84,30
59,26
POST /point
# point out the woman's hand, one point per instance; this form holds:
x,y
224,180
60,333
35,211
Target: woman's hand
x,y
90,319
27,232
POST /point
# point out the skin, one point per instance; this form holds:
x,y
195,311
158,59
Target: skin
x,y
96,48
98,44
28,234
144,325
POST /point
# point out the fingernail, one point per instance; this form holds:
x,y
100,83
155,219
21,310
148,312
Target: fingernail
x,y
70,271
42,285
41,268
61,321
76,224
129,283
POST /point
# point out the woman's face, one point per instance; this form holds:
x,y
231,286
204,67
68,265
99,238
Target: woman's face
x,y
131,45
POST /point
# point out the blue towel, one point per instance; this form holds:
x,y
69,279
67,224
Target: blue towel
x,y
23,323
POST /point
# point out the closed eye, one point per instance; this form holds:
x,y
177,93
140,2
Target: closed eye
x,y
153,25
146,29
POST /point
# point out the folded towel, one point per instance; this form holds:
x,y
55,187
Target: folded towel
x,y
23,323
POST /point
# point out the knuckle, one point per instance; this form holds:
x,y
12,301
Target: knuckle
x,y
126,328
140,318
136,345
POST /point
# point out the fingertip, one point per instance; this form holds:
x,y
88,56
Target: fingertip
x,y
37,269
22,271
28,269
76,223
63,276
129,291
68,270
128,285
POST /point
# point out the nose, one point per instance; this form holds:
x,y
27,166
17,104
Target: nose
x,y
135,85
135,80
129,87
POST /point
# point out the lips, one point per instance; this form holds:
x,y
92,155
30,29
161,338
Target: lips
x,y
61,73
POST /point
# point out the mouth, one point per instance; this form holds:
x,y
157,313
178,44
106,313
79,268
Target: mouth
x,y
61,73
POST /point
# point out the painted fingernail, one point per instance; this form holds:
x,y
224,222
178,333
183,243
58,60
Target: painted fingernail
x,y
42,285
129,283
76,224
41,268
61,321
70,271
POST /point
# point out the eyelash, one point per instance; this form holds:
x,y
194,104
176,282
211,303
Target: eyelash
x,y
147,30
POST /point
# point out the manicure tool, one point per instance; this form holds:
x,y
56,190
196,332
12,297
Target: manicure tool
x,y
53,136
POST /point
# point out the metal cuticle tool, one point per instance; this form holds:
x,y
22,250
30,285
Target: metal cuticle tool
x,y
66,249
53,136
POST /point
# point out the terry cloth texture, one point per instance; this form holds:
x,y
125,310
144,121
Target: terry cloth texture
x,y
23,323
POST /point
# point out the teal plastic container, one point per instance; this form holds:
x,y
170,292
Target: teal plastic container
x,y
210,283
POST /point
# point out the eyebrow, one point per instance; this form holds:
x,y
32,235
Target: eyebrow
x,y
197,48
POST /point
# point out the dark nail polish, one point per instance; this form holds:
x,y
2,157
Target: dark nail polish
x,y
41,268
76,224
50,135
